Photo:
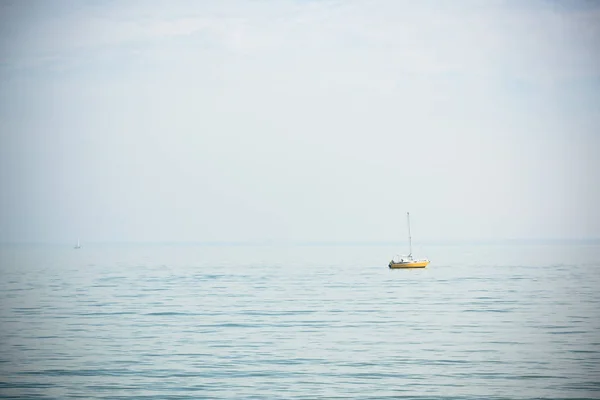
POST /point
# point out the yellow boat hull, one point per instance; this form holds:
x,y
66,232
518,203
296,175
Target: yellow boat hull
x,y
408,264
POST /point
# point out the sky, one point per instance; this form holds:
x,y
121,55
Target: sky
x,y
295,121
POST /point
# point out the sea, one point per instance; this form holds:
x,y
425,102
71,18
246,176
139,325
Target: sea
x,y
311,321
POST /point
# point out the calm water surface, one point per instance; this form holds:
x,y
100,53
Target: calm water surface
x,y
190,321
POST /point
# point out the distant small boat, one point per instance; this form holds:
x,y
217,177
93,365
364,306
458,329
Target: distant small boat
x,y
408,261
78,246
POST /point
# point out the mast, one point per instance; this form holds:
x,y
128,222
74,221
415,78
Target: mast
x,y
409,238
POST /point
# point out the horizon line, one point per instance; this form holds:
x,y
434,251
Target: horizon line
x,y
216,243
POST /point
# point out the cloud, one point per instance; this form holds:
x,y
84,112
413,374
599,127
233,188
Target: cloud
x,y
294,110
540,43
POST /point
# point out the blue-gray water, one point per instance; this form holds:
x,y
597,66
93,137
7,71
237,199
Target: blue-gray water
x,y
189,322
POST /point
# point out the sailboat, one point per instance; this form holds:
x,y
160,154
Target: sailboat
x,y
78,245
408,261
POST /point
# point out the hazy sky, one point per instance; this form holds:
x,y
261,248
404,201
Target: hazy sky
x,y
299,120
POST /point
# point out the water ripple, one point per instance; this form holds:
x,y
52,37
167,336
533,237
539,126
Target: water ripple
x,y
148,322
